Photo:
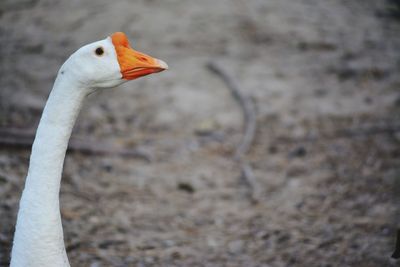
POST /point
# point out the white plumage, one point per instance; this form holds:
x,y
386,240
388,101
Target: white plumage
x,y
38,239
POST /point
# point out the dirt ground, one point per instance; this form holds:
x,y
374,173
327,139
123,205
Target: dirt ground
x,y
324,76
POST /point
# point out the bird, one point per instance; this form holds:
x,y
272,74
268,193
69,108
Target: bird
x,y
38,238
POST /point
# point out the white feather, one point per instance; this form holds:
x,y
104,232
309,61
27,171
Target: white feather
x,y
38,240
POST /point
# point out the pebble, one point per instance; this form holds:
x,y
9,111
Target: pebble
x,y
236,246
299,151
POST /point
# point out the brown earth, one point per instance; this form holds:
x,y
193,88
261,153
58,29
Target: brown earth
x,y
326,158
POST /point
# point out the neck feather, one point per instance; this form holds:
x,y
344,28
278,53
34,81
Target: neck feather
x,y
38,239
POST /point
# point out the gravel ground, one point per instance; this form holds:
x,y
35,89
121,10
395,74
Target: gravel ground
x,y
324,76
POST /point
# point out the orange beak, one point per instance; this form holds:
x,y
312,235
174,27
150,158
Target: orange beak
x,y
132,63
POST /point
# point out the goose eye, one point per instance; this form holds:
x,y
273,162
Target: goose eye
x,y
99,51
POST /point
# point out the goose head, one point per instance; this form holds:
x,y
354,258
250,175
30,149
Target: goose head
x,y
109,62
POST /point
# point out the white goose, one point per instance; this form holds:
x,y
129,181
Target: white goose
x,y
39,239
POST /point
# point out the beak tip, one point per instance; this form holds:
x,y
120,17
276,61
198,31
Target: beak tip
x,y
162,64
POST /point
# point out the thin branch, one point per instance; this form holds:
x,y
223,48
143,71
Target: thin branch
x,y
368,130
22,139
247,106
251,181
250,126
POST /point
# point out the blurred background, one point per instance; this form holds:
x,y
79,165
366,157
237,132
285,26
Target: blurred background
x,y
151,180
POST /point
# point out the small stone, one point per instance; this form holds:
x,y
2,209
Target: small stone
x,y
176,255
211,242
272,149
236,246
368,100
169,243
320,92
149,260
95,264
186,187
206,127
94,220
298,152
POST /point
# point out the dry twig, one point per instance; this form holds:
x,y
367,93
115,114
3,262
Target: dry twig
x,y
364,131
251,181
250,126
247,106
22,139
